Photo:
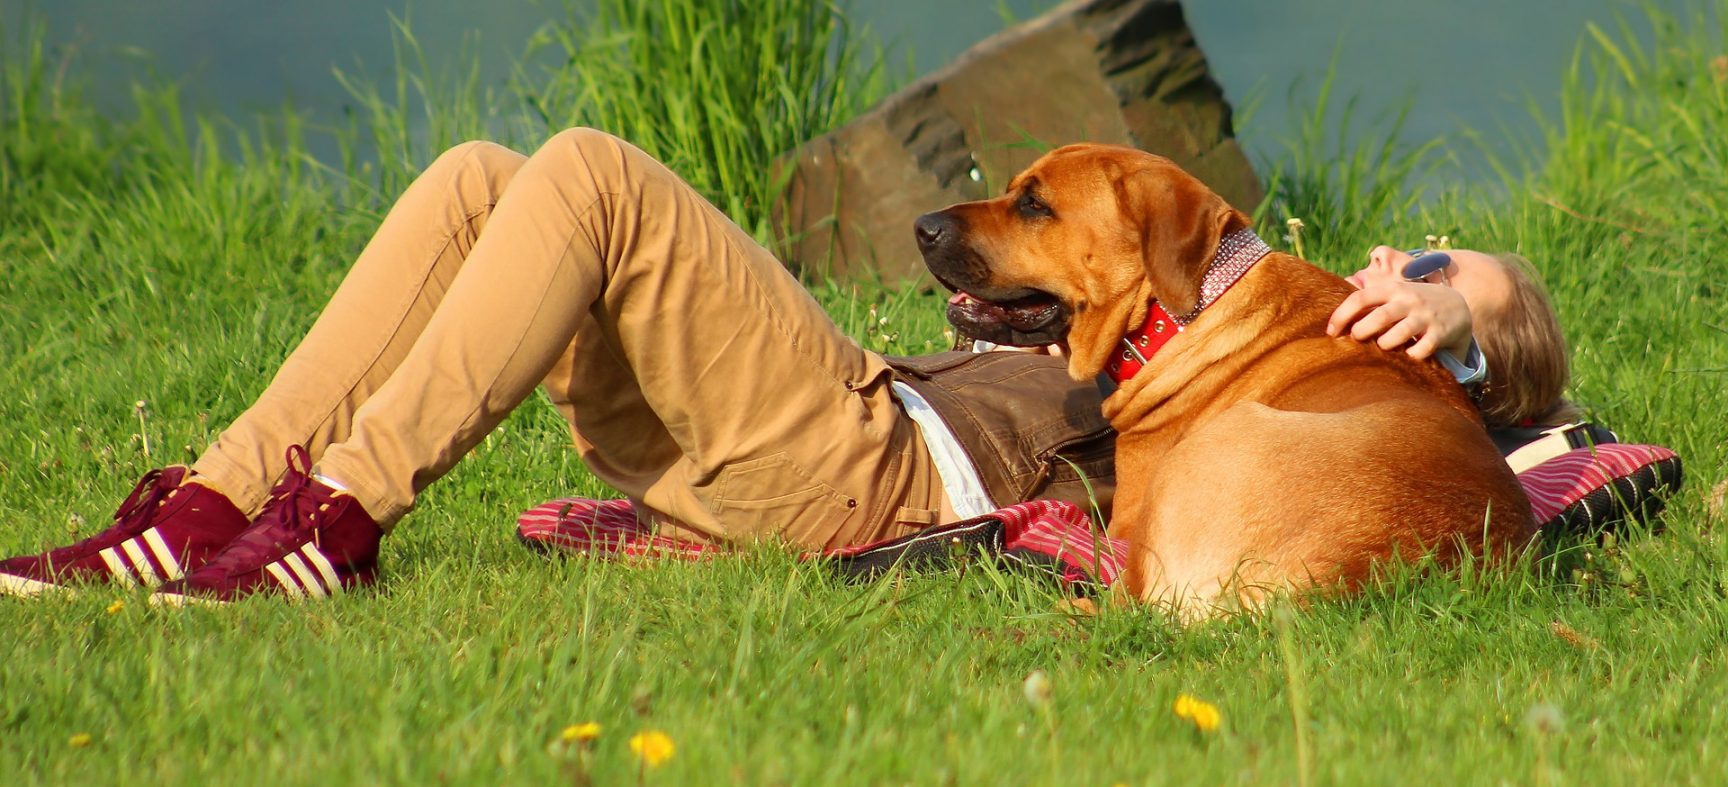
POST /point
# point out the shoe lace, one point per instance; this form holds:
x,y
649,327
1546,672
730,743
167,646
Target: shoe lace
x,y
293,507
135,512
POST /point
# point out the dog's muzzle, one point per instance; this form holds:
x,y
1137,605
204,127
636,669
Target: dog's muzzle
x,y
1018,316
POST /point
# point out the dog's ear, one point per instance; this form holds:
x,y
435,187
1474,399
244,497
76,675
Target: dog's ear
x,y
1180,222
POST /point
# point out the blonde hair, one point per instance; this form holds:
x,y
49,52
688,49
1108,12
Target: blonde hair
x,y
1527,360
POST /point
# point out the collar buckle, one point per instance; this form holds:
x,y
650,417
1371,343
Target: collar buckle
x,y
1237,253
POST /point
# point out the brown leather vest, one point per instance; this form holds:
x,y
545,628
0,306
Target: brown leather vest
x,y
1032,432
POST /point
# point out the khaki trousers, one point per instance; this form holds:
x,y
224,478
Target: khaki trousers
x,y
699,378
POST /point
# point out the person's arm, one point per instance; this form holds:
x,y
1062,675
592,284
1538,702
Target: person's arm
x,y
1427,319
1471,368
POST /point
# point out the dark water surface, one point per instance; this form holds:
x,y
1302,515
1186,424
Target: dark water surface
x,y
1461,63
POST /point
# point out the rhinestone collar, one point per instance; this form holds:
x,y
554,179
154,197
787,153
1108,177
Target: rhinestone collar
x,y
1237,252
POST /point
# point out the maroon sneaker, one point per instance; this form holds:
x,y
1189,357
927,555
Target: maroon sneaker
x,y
310,541
166,527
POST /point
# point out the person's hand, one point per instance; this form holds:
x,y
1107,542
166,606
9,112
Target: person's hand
x,y
1394,313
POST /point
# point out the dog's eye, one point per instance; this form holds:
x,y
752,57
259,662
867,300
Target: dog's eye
x,y
1030,205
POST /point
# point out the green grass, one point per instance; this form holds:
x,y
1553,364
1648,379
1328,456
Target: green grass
x,y
176,259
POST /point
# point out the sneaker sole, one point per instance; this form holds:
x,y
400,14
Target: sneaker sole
x,y
179,601
25,587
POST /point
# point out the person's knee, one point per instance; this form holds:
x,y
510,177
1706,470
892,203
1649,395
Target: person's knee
x,y
479,154
595,153
584,139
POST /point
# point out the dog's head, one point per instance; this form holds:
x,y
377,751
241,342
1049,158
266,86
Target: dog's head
x,y
1076,250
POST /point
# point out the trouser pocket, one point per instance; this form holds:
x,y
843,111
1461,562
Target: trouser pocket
x,y
775,496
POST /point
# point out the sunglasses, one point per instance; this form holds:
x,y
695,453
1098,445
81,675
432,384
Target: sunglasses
x,y
1428,266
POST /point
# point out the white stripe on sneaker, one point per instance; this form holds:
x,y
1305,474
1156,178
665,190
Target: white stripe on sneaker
x,y
118,567
322,563
140,563
284,580
25,587
164,556
307,578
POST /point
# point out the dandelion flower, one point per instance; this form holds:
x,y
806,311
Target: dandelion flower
x,y
1295,225
1037,688
1202,714
1545,719
580,733
79,740
114,608
653,747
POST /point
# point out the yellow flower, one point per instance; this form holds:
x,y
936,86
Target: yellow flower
x,y
652,746
1202,714
582,733
114,608
79,740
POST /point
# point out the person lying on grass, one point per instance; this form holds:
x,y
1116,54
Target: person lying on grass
x,y
1496,301
698,377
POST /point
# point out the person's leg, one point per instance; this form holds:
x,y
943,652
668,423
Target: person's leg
x,y
699,376
730,403
602,400
176,520
369,325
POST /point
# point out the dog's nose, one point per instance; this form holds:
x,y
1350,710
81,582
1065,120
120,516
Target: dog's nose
x,y
932,229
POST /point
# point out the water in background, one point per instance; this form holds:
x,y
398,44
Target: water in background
x,y
1460,63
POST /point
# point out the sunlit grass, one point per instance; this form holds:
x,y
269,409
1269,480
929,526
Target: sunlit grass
x,y
175,259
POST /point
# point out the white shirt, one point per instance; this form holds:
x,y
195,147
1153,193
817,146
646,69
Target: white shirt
x,y
959,475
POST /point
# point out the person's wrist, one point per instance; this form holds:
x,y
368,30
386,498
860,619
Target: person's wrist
x,y
1459,347
1469,366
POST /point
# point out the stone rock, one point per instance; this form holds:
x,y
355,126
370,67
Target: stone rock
x,y
1120,71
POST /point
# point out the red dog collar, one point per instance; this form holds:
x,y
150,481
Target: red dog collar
x,y
1237,252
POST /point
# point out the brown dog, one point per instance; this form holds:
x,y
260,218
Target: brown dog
x,y
1255,452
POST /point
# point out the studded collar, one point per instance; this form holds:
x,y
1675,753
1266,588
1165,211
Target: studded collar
x,y
1237,252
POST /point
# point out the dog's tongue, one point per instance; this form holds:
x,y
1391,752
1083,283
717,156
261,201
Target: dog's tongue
x,y
1025,322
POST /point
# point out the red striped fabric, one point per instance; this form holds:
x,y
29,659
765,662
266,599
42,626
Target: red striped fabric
x,y
1063,532
608,528
1567,478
